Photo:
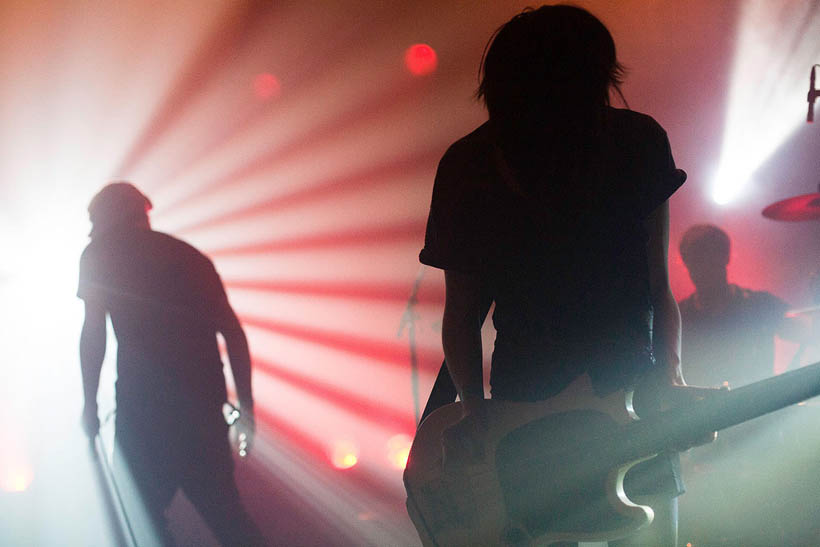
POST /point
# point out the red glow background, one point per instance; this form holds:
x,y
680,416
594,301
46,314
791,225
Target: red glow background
x,y
291,142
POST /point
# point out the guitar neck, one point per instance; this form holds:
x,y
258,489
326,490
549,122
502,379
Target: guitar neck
x,y
684,425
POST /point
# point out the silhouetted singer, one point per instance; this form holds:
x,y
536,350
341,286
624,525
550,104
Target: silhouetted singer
x,y
557,209
166,304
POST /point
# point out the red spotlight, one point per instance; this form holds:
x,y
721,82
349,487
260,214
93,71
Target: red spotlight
x,y
420,59
266,86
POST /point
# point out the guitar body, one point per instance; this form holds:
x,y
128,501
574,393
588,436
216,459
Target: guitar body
x,y
546,474
550,471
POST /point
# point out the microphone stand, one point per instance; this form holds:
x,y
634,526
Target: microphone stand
x,y
812,95
408,320
118,521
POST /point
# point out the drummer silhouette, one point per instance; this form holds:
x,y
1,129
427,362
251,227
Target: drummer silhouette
x,y
728,330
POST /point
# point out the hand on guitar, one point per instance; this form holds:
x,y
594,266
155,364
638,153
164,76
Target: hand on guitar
x,y
462,442
678,396
91,425
242,426
245,432
662,393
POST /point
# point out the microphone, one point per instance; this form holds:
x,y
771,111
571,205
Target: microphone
x,y
813,93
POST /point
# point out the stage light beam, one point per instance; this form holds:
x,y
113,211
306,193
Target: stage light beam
x,y
766,100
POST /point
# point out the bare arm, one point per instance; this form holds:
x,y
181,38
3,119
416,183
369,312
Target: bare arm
x,y
667,322
461,333
227,323
240,358
239,355
92,353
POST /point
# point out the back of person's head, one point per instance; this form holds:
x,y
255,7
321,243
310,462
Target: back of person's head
x,y
704,244
118,205
548,61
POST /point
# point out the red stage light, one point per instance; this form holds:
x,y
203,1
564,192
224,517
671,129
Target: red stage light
x,y
266,86
420,59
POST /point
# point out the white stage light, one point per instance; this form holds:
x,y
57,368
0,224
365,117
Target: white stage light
x,y
777,44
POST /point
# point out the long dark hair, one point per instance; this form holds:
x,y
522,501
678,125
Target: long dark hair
x,y
547,63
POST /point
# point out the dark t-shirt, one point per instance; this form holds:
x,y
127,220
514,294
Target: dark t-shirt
x,y
561,246
166,303
736,345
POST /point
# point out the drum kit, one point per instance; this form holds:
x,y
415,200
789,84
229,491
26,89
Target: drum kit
x,y
804,207
795,209
740,461
724,482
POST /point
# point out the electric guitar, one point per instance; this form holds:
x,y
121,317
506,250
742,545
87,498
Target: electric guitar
x,y
553,470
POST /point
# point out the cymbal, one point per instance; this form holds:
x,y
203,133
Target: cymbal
x,y
803,311
805,207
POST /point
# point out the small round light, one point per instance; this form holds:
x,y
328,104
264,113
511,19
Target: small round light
x,y
344,455
420,59
398,450
266,86
16,478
